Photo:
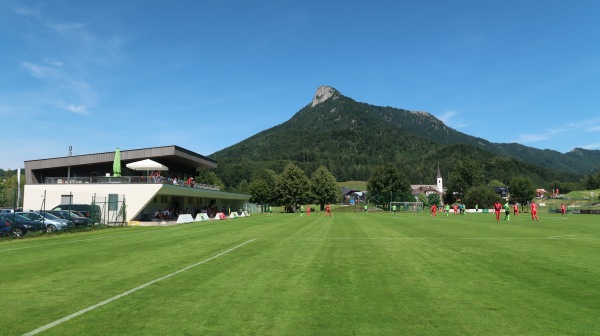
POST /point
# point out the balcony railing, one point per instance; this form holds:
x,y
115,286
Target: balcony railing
x,y
127,180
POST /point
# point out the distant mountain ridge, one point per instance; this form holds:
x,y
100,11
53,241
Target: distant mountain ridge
x,y
350,138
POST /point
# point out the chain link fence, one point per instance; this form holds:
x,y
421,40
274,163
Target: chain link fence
x,y
107,209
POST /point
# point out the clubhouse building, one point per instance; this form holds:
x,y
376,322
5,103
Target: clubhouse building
x,y
151,179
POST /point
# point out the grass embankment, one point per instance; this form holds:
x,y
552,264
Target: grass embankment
x,y
358,185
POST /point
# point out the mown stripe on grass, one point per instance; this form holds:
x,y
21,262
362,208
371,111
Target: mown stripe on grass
x,y
80,240
116,297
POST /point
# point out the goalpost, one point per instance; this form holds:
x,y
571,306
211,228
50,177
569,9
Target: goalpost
x,y
407,206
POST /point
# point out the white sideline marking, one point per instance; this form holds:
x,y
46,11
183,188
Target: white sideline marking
x,y
573,236
451,238
116,297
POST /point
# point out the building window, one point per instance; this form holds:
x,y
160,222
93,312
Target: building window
x,y
66,199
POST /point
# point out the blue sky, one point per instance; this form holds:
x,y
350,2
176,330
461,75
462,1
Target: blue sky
x,y
205,75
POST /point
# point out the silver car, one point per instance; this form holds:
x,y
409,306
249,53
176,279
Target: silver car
x,y
52,222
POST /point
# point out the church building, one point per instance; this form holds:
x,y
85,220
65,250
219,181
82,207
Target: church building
x,y
427,189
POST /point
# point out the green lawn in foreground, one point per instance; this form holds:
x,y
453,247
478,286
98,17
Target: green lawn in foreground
x,y
353,274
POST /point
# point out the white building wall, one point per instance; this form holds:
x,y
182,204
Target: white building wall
x,y
136,195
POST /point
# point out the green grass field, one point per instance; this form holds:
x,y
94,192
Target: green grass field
x,y
353,274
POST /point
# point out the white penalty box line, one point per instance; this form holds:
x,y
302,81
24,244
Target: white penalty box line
x,y
116,297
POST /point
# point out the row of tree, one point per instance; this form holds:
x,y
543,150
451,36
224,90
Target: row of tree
x,y
593,180
466,184
293,187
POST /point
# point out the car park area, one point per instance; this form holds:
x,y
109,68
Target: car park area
x,y
20,225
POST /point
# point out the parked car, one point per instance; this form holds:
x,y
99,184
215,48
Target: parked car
x,y
92,212
52,222
5,226
21,225
77,218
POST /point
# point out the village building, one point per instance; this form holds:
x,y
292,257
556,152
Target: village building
x,y
428,189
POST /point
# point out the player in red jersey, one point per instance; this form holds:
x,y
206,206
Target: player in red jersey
x,y
515,209
534,211
563,209
434,210
327,210
497,209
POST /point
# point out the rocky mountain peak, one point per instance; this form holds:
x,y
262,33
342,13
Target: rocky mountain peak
x,y
323,93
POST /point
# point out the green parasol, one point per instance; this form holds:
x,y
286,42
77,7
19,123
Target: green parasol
x,y
117,164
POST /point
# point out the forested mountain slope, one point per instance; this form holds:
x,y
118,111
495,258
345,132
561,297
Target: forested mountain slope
x,y
350,138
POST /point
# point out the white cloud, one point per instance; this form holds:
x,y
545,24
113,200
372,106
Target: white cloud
x,y
79,109
40,71
25,11
449,119
447,116
592,146
66,86
65,27
53,62
59,27
525,138
573,127
593,129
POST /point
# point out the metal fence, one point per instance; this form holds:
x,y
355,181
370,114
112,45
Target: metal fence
x,y
127,180
107,209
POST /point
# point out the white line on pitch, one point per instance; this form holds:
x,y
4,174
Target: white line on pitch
x,y
446,238
116,297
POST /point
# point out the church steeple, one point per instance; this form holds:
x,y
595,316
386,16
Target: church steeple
x,y
440,185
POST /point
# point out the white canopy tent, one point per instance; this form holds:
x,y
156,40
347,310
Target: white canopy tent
x,y
146,164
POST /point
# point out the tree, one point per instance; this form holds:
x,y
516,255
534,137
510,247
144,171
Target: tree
x,y
292,187
387,184
262,187
243,187
324,187
209,177
521,190
433,198
466,174
565,187
8,189
423,199
496,183
483,196
593,181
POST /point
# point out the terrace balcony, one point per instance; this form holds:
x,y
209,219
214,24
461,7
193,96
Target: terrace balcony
x,y
127,180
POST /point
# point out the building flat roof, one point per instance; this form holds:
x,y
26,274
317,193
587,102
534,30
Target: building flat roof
x,y
167,155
